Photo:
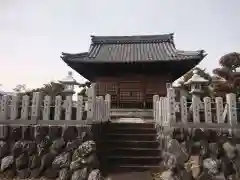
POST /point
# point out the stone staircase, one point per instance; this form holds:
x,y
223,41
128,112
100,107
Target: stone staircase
x,y
130,147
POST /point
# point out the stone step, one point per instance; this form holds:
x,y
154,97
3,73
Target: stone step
x,y
136,137
134,151
130,146
131,143
130,130
130,160
135,168
131,125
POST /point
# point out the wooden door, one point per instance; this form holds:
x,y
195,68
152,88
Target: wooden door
x,y
131,94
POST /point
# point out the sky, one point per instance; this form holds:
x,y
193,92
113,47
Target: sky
x,y
33,33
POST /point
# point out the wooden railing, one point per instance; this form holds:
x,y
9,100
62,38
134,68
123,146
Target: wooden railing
x,y
38,110
204,112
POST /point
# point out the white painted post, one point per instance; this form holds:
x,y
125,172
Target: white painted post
x,y
101,108
232,108
68,108
158,110
108,104
161,110
4,108
58,108
207,109
25,107
36,105
166,119
97,110
79,107
170,107
183,109
219,109
196,108
14,107
155,99
91,93
46,108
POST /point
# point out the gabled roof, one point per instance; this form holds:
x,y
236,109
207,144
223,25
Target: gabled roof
x,y
144,48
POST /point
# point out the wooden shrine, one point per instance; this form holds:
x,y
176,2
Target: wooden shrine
x,y
133,68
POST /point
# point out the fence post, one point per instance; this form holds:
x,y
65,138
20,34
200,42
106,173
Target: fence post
x,y
170,107
108,106
79,107
91,111
58,108
101,108
159,111
4,108
207,109
232,108
68,108
46,108
155,100
196,108
25,107
219,109
14,107
183,109
36,104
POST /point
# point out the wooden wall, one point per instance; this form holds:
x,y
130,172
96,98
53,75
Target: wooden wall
x,y
132,88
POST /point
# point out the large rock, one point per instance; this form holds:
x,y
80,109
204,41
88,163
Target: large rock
x,y
81,174
15,133
230,150
77,164
55,132
62,160
212,165
22,161
179,152
64,174
6,163
40,133
70,133
95,175
3,149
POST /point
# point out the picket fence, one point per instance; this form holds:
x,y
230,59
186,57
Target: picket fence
x,y
206,113
54,111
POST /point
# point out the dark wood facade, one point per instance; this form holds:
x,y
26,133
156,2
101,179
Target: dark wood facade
x,y
133,91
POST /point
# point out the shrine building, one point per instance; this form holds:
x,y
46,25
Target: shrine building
x,y
133,68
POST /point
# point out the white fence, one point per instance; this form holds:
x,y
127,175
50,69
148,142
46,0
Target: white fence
x,y
46,111
198,113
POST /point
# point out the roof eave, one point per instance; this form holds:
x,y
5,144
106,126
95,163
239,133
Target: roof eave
x,y
87,60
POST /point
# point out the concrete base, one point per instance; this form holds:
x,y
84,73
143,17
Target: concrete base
x,y
131,176
129,120
133,113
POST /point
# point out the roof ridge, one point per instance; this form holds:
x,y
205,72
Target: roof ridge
x,y
132,39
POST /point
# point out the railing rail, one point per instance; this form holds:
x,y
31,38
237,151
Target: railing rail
x,y
204,112
38,110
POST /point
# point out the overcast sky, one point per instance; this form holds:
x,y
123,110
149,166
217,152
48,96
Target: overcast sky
x,y
33,33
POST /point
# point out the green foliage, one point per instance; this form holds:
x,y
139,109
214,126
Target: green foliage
x,y
51,89
84,87
229,63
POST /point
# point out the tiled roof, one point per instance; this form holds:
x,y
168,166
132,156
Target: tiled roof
x,y
133,48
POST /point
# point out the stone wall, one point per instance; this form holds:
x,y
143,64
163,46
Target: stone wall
x,y
49,151
200,154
